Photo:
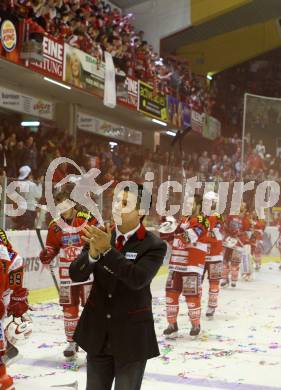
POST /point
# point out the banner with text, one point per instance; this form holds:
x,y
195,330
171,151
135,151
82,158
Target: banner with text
x,y
25,104
53,54
98,126
197,121
151,103
211,128
127,92
83,71
26,243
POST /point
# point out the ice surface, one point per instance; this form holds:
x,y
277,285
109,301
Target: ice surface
x,y
239,349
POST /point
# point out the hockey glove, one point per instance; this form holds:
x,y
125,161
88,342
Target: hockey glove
x,y
47,255
18,303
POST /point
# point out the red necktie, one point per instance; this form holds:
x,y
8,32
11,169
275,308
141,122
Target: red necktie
x,y
119,245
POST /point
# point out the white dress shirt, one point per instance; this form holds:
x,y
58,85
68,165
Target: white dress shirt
x,y
127,236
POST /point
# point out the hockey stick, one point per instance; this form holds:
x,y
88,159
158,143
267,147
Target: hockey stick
x,y
73,385
275,242
50,265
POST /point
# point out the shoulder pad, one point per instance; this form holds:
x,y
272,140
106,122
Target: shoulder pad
x,y
87,216
53,224
3,237
219,216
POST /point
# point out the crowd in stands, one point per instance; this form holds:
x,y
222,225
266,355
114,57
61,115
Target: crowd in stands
x,y
26,155
20,147
259,76
94,27
221,161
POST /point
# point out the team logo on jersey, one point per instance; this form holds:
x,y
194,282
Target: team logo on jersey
x,y
8,36
72,252
198,231
71,240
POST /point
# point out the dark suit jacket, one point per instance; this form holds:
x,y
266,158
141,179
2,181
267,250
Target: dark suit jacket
x,y
120,303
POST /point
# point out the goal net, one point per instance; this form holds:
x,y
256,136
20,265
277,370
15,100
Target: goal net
x,y
261,126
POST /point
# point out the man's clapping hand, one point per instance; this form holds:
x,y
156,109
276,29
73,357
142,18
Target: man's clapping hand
x,y
98,239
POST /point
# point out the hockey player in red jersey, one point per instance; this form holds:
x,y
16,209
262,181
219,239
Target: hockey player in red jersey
x,y
13,298
68,246
237,232
186,267
232,258
257,240
214,259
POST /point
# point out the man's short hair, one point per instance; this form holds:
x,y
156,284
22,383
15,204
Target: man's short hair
x,y
142,193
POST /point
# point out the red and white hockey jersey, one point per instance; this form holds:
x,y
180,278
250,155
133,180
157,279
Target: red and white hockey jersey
x,y
68,245
189,245
215,238
11,278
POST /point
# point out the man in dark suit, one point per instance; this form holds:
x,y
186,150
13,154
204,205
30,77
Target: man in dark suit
x,y
116,328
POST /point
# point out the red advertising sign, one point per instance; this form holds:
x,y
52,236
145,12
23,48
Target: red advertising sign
x,y
53,53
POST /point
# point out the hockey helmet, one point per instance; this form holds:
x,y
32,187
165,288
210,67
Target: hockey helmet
x,y
169,226
18,331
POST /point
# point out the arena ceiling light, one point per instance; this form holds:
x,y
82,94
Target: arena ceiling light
x,y
209,77
30,124
57,83
159,122
113,144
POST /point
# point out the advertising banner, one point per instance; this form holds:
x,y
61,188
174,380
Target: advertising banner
x,y
26,104
197,121
83,71
26,243
151,103
53,54
178,113
211,128
10,37
94,125
127,92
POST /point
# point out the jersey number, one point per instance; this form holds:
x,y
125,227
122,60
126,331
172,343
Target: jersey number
x,y
15,279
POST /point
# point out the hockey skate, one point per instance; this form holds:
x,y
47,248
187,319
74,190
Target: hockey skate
x,y
247,277
171,331
225,283
258,267
195,330
210,312
233,284
6,382
71,350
